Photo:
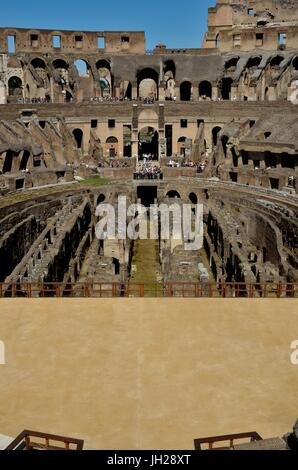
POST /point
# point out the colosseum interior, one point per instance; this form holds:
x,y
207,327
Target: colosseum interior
x,y
89,116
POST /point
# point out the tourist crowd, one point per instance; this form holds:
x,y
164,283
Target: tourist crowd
x,y
148,171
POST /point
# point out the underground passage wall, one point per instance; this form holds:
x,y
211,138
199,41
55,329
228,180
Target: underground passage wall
x,y
143,374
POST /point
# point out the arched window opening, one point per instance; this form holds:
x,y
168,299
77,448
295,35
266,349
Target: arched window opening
x,y
226,88
15,87
148,81
254,62
173,195
82,67
116,264
193,198
148,143
185,91
78,135
295,63
24,161
231,64
205,89
276,61
224,141
7,167
215,132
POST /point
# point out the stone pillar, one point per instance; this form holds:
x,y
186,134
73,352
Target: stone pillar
x,y
134,91
161,92
2,93
195,92
215,93
135,143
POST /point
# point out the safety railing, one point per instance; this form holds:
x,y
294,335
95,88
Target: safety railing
x,y
43,441
154,290
212,442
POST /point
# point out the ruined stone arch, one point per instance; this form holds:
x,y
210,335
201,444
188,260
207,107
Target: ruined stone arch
x,y
253,62
83,67
148,82
60,64
106,79
231,64
295,63
276,61
38,63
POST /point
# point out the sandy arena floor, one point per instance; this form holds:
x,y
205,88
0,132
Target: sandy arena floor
x,y
148,374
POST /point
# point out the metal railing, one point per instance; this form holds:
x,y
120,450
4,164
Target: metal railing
x,y
24,442
153,290
229,439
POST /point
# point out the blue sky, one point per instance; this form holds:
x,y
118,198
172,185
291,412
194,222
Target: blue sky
x,y
175,23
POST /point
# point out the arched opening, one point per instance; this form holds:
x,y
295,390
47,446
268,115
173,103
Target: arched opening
x,y
226,88
116,264
78,135
148,80
126,90
60,64
173,195
61,72
15,87
295,63
148,143
266,94
25,160
205,89
82,67
101,198
253,62
215,132
169,78
185,91
68,97
169,70
7,166
231,64
181,146
38,63
105,78
193,198
276,61
217,41
27,93
224,141
112,147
